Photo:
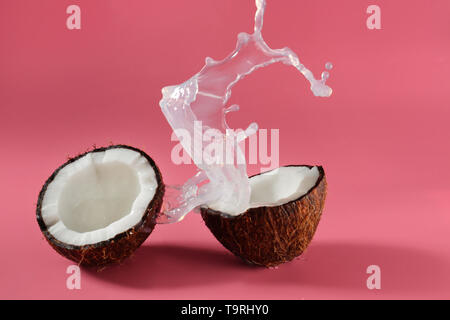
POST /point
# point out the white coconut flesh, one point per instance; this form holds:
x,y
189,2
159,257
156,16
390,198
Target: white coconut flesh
x,y
98,196
280,186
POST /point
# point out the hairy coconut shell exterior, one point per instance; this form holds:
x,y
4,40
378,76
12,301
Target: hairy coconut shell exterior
x,y
269,236
123,245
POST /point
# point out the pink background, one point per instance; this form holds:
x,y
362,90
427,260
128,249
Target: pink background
x,y
383,138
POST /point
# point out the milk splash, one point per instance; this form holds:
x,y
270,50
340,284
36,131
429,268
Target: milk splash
x,y
222,186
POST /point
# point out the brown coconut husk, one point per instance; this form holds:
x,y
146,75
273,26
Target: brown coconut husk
x,y
269,236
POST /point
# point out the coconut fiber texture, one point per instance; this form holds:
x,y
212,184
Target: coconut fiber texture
x,y
269,236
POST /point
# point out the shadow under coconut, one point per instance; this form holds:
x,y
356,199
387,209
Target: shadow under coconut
x,y
166,266
332,265
344,265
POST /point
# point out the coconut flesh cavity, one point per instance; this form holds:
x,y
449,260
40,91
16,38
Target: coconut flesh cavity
x,y
202,99
281,185
277,187
98,196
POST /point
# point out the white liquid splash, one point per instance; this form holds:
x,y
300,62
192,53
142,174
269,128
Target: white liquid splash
x,y
203,97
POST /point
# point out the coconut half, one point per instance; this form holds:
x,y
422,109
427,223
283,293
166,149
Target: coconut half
x,y
99,207
285,208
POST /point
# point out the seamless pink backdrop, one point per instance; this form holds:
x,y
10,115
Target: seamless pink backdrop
x,y
383,138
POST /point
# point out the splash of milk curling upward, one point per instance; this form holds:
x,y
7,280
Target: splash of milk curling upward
x,y
222,186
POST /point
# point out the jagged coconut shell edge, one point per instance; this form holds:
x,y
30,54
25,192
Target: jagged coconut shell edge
x,y
269,236
123,245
